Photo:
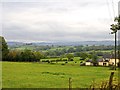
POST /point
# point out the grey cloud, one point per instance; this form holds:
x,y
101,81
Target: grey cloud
x,y
52,30
56,31
53,5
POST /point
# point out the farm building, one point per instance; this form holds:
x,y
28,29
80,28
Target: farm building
x,y
102,62
112,62
108,59
88,63
111,59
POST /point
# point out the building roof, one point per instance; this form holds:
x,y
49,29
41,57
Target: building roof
x,y
106,61
110,56
90,60
100,60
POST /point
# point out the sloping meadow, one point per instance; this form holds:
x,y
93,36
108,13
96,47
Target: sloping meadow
x,y
36,75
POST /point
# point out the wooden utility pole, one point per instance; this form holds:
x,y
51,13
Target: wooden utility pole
x,y
115,48
118,36
115,28
70,83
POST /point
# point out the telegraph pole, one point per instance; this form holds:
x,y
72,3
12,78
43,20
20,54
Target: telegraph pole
x,y
119,44
115,28
118,35
115,48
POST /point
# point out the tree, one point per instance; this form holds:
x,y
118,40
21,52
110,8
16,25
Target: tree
x,y
94,59
62,56
115,27
57,52
77,54
79,48
64,50
70,50
12,55
18,56
83,55
27,55
4,48
90,56
70,56
38,56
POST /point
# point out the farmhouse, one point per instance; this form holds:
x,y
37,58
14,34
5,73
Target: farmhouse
x,y
106,60
89,63
107,57
102,62
112,62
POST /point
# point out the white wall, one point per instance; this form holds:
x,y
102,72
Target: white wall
x,y
88,63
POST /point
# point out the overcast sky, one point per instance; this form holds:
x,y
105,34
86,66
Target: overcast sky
x,y
57,20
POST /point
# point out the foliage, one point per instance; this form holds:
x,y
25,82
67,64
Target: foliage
x,y
4,48
53,51
83,55
71,50
104,85
70,56
115,27
38,55
77,54
13,56
94,59
25,56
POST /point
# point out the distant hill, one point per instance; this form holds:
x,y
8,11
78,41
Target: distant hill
x,y
63,43
15,43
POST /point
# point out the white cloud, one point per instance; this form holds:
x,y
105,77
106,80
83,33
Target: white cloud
x,y
53,20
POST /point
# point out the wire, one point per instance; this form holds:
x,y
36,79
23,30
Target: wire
x,y
109,11
113,8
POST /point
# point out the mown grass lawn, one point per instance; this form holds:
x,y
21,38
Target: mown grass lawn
x,y
36,75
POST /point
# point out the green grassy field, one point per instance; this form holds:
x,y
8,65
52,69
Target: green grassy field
x,y
37,75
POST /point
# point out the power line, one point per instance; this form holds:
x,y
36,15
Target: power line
x,y
109,11
113,8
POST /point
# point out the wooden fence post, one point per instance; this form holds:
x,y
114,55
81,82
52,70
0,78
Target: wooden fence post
x,y
110,80
70,83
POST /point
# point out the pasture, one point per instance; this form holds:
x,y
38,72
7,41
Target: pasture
x,y
38,75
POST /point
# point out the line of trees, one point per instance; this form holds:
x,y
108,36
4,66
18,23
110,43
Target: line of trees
x,y
24,56
35,56
14,55
3,48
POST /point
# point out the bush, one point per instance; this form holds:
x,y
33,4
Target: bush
x,y
66,62
64,59
71,60
82,64
104,85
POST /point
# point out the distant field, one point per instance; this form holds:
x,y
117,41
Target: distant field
x,y
40,48
76,61
37,75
